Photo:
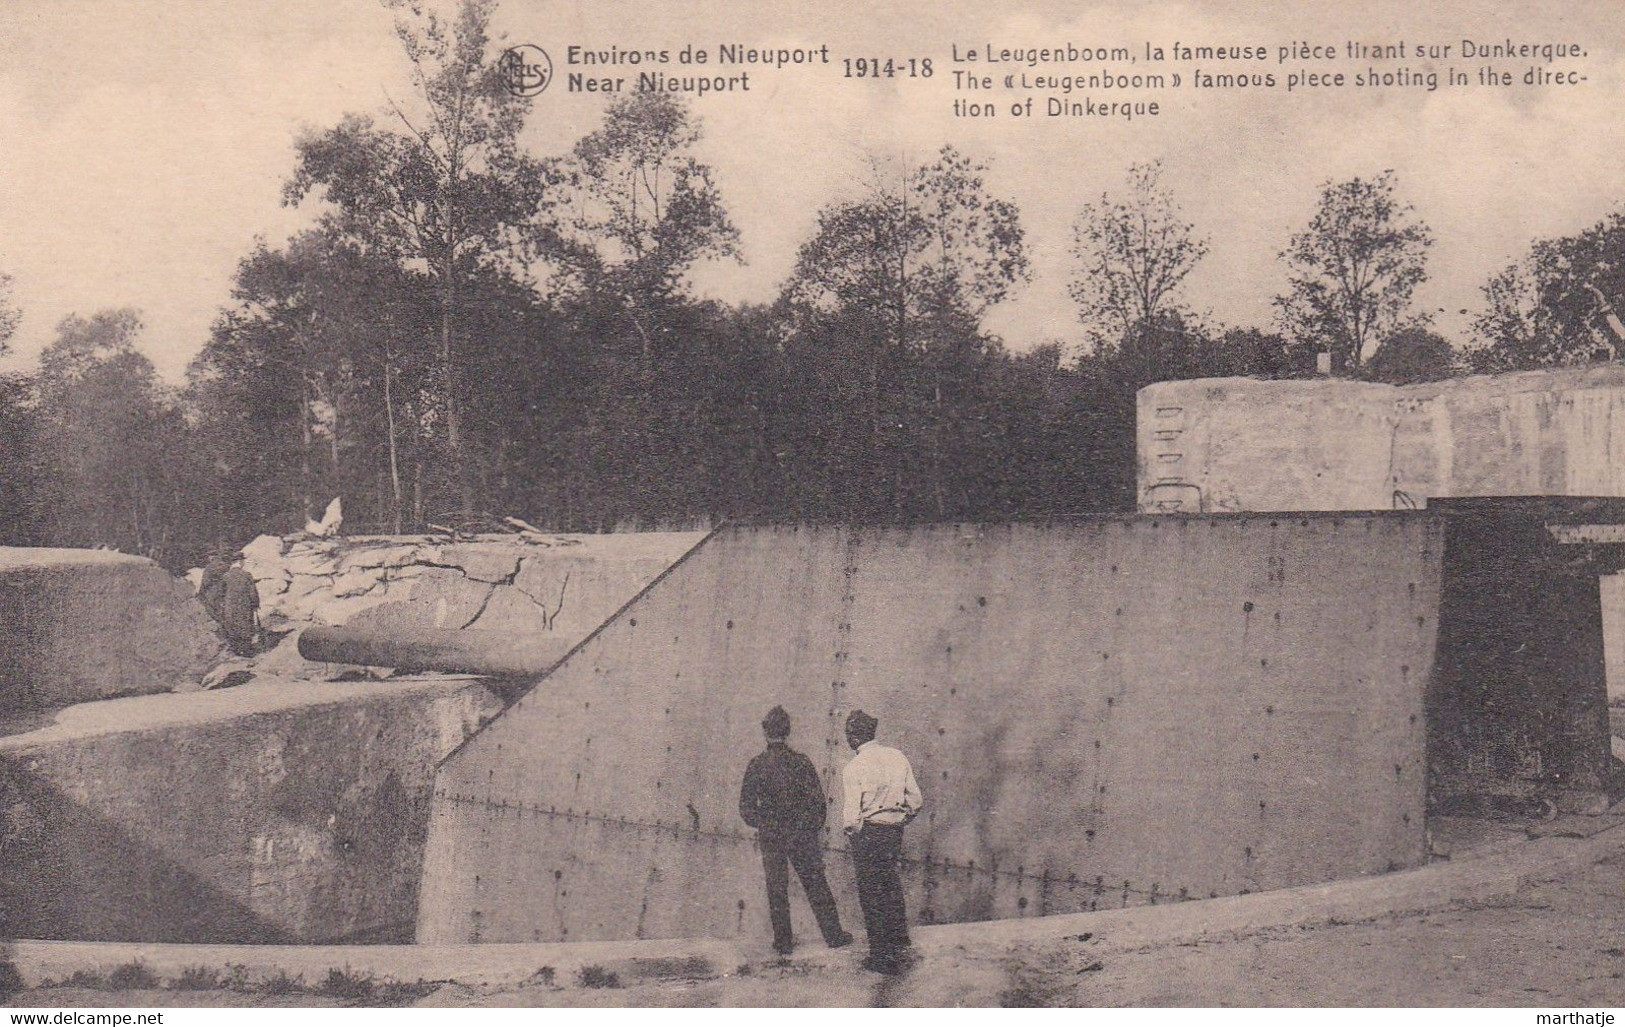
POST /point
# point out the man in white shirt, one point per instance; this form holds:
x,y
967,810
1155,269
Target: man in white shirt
x,y
881,796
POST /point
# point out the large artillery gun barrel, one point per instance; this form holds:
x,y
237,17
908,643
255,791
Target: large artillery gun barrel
x,y
490,653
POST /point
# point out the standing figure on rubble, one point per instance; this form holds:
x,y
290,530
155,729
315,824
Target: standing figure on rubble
x,y
240,605
211,591
881,796
782,799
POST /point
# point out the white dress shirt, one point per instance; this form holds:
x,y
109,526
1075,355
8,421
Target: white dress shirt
x,y
880,787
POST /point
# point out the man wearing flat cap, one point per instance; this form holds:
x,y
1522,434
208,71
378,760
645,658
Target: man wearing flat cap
x,y
881,796
783,800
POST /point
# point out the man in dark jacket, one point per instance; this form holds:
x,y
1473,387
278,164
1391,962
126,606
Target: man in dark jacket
x,y
240,604
211,591
782,799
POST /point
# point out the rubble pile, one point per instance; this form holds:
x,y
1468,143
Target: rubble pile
x,y
494,582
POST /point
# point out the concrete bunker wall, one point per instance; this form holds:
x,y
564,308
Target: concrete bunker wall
x,y
1239,444
1106,712
274,812
82,624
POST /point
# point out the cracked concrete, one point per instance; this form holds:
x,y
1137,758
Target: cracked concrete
x,y
565,585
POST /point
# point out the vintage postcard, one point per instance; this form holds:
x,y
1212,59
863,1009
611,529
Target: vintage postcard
x,y
510,503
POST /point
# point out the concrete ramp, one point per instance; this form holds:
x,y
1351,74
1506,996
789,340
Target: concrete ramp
x,y
1101,713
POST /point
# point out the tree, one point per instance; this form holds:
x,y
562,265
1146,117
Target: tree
x,y
899,281
82,344
638,211
1131,256
448,190
115,443
1353,270
1561,303
926,245
318,367
1413,354
10,316
21,477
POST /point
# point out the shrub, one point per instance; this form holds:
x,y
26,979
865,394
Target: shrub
x,y
281,984
596,976
343,984
132,976
197,978
11,979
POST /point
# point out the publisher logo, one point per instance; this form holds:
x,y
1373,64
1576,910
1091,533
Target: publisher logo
x,y
526,69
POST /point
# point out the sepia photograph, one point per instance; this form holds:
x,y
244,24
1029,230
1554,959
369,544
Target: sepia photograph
x,y
555,503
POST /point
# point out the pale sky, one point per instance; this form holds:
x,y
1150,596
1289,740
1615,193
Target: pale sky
x,y
143,145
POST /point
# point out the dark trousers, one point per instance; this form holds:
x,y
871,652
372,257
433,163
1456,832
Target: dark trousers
x,y
803,850
876,851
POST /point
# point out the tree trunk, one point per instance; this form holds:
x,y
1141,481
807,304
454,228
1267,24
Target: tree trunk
x,y
389,424
304,450
417,493
454,436
333,445
936,443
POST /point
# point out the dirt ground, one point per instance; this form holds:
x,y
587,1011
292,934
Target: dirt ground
x,y
1557,944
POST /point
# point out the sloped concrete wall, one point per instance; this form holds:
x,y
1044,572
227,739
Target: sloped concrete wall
x,y
81,624
274,812
1237,444
1108,712
563,586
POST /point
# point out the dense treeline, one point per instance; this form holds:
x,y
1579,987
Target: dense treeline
x,y
468,331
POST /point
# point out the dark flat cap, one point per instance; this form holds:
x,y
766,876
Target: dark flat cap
x,y
777,723
862,723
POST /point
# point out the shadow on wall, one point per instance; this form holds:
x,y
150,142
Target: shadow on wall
x,y
68,874
300,819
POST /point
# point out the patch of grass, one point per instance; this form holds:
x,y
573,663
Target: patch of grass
x,y
348,986
673,968
132,976
1033,987
596,976
197,978
400,993
86,979
544,976
1022,995
282,984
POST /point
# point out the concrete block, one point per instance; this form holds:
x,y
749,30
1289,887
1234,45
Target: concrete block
x,y
278,811
1238,444
84,624
514,612
491,563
